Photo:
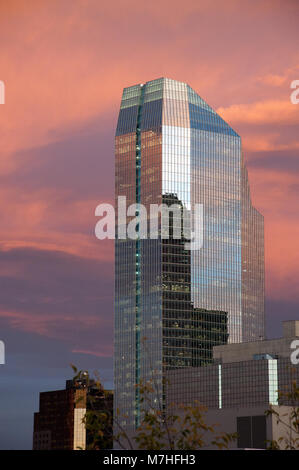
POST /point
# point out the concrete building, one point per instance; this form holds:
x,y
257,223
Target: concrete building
x,y
240,386
254,429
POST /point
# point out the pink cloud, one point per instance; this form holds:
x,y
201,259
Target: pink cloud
x,y
108,353
65,64
262,112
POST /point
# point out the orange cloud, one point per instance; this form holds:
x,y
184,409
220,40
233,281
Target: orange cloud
x,y
107,352
278,201
262,112
279,80
49,325
40,323
33,221
266,143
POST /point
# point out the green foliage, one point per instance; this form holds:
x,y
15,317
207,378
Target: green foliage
x,y
289,421
180,428
98,419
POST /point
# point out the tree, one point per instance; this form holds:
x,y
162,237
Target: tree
x,y
289,420
177,428
98,419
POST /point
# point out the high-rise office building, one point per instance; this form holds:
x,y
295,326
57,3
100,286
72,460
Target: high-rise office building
x,y
172,305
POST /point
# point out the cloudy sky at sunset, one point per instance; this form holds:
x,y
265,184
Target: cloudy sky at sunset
x,y
64,64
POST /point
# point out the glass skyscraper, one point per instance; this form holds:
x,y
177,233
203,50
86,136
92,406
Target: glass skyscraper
x,y
172,305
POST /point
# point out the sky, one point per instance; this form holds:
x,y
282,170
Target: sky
x,y
64,64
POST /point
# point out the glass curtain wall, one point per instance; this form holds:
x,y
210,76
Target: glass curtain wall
x,y
172,304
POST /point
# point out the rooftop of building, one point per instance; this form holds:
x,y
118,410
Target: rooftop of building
x,y
278,347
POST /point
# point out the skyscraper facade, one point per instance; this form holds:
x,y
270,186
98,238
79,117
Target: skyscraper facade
x,y
172,305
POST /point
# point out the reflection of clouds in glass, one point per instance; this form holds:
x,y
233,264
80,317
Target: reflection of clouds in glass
x,y
182,300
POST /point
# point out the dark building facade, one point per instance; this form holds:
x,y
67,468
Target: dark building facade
x,y
59,423
189,333
243,375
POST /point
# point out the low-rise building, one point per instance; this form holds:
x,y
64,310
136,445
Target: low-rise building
x,y
59,423
241,384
